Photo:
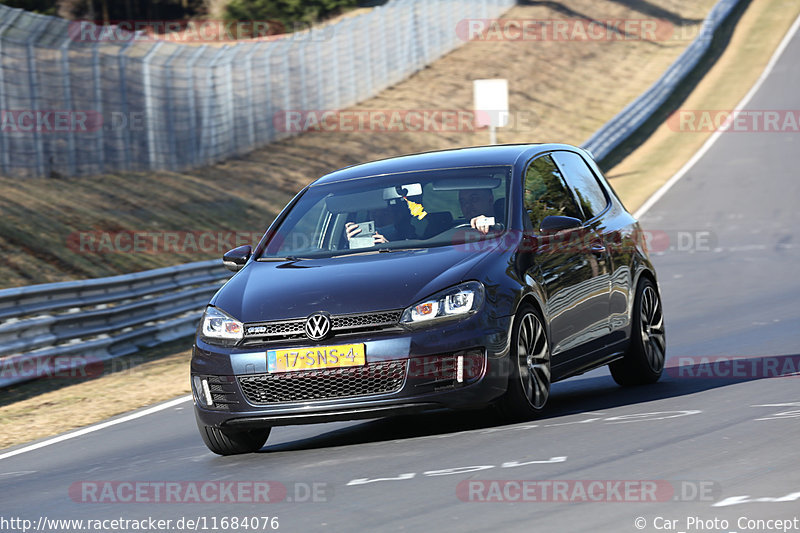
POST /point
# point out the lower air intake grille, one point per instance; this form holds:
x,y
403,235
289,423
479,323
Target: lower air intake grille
x,y
373,378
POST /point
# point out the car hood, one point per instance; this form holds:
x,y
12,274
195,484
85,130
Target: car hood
x,y
357,283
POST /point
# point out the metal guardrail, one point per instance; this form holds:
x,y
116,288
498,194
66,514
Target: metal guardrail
x,y
28,300
56,328
60,327
630,119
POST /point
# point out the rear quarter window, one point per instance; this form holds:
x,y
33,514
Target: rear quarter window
x,y
589,193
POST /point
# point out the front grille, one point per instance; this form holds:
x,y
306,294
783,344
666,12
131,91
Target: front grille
x,y
276,329
294,329
372,378
348,322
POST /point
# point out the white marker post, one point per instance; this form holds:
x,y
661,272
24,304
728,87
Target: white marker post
x,y
491,105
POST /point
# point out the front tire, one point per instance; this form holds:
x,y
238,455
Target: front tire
x,y
529,380
225,442
643,362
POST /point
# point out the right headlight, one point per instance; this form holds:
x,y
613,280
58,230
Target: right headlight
x,y
459,301
217,327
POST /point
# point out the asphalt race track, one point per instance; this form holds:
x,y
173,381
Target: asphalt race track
x,y
719,442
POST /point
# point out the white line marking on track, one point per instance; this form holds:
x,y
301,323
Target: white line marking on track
x,y
97,427
713,139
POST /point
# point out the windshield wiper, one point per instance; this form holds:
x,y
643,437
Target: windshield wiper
x,y
382,250
281,259
349,253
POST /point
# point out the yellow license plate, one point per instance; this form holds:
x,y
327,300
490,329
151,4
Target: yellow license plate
x,y
314,358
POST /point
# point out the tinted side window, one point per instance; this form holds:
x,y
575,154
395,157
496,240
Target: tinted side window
x,y
580,177
546,192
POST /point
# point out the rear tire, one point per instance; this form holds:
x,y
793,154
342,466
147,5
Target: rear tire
x,y
643,362
529,379
225,442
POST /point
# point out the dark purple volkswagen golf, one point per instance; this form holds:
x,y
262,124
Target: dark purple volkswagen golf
x,y
453,279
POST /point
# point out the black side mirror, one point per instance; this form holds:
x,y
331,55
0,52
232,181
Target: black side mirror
x,y
235,259
553,224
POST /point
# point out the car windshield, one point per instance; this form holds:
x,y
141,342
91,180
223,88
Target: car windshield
x,y
390,212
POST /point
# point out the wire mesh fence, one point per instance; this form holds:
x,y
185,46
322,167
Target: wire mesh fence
x,y
78,99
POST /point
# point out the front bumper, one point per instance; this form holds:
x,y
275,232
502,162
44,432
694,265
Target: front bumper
x,y
426,357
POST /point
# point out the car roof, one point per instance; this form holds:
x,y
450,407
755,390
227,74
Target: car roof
x,y
502,154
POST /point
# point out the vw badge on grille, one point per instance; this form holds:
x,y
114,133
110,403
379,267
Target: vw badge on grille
x,y
318,326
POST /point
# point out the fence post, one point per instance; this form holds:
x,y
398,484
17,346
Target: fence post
x,y
271,134
457,16
207,124
320,103
336,100
191,101
351,37
67,88
365,30
168,92
384,52
410,38
287,94
422,15
34,92
150,119
228,118
98,108
249,108
301,64
441,29
3,104
123,95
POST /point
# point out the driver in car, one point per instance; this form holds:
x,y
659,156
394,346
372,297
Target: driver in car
x,y
385,228
475,204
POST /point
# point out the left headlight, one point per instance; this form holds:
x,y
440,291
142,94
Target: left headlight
x,y
218,328
459,301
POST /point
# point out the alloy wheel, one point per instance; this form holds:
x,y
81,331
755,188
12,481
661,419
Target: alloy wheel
x,y
652,329
533,355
